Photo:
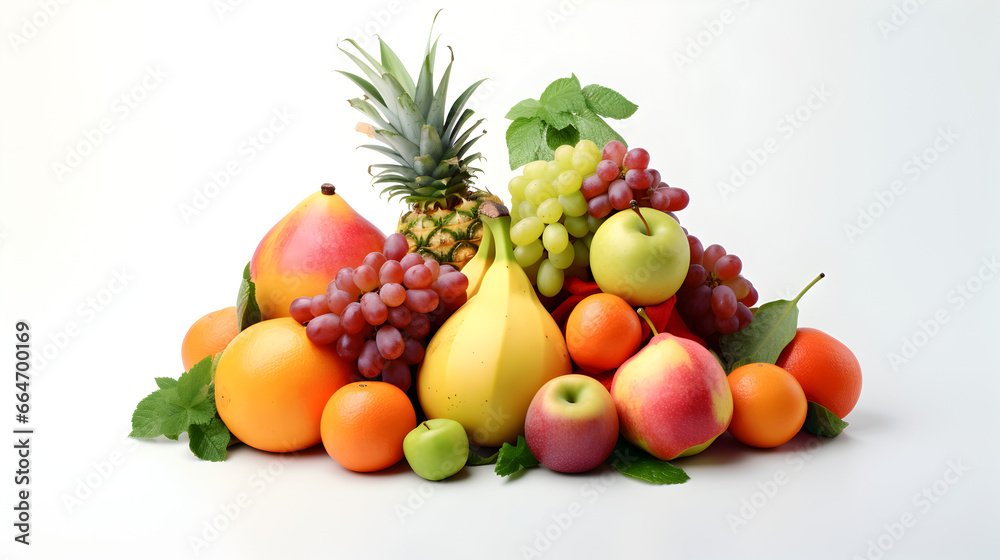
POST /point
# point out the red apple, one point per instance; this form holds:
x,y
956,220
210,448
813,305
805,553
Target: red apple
x,y
672,397
571,425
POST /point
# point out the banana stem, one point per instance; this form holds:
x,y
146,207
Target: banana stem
x,y
485,251
635,206
497,218
642,313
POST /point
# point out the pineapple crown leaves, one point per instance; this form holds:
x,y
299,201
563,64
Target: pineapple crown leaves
x,y
429,148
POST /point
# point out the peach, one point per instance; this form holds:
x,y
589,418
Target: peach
x,y
303,252
672,397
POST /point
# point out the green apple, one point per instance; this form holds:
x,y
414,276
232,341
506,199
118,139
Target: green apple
x,y
642,260
436,448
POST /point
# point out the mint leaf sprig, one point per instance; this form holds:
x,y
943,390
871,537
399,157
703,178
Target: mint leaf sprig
x,y
515,458
186,404
565,113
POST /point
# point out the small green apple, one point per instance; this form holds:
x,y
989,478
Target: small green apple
x,y
642,265
436,448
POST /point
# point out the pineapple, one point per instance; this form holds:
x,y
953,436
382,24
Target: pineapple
x,y
431,167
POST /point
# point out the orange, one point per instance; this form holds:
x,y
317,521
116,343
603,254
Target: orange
x,y
272,383
364,424
827,370
208,336
602,332
769,406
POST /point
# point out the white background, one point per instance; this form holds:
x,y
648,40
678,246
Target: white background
x,y
895,74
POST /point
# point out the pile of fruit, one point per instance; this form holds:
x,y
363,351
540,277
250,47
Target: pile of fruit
x,y
581,320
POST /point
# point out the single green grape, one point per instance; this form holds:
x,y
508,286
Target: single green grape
x,y
515,216
552,170
526,230
593,222
576,226
584,164
534,170
550,211
526,209
516,186
582,257
555,238
538,191
588,147
527,255
550,278
563,259
567,182
564,157
573,204
588,240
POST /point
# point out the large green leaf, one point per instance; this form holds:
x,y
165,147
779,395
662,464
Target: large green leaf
x,y
247,310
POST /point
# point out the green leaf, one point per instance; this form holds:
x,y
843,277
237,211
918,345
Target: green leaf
x,y
526,142
607,102
166,382
772,328
475,459
178,418
215,364
592,127
565,113
209,441
564,95
178,404
193,384
556,119
247,310
512,459
636,463
555,137
147,420
822,422
528,108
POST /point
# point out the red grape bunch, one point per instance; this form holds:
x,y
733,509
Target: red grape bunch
x,y
624,175
379,312
715,297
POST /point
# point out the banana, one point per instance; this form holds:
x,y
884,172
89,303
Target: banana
x,y
476,268
487,361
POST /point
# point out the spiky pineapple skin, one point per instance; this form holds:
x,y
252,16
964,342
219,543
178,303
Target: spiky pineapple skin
x,y
451,235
